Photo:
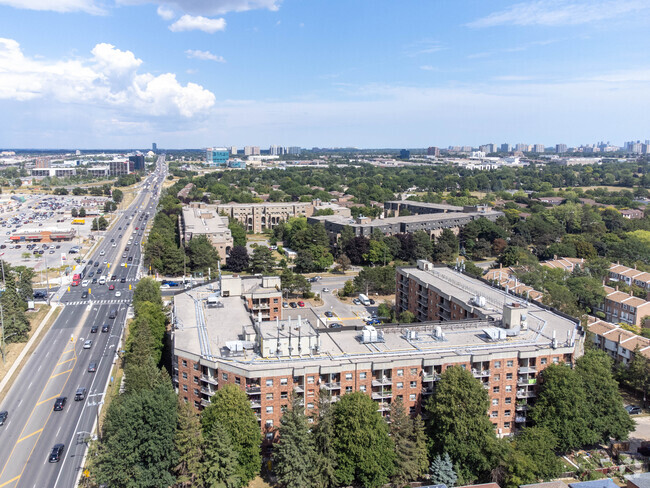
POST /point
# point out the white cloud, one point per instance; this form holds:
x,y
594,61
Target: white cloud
x,y
88,6
561,12
427,67
165,12
424,46
208,7
108,79
190,22
204,55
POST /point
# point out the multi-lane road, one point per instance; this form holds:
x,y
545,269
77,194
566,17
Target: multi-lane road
x,y
60,364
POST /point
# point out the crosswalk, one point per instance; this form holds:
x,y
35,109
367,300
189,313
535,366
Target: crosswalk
x,y
98,302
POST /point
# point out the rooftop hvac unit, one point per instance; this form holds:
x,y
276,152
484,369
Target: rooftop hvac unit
x,y
369,335
479,300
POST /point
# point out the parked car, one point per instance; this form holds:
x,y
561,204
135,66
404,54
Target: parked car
x,y
633,410
336,325
301,303
329,314
293,304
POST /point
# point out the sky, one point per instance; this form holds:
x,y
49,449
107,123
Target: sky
x,y
327,73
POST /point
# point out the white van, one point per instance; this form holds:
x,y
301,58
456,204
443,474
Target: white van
x,y
102,280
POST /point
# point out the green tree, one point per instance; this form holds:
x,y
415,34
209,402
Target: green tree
x,y
262,260
348,288
147,290
539,445
117,195
607,417
406,317
385,309
74,212
188,442
294,455
231,408
459,423
420,441
202,255
16,322
637,374
82,212
238,233
446,247
402,433
238,259
325,459
364,450
220,466
442,471
561,407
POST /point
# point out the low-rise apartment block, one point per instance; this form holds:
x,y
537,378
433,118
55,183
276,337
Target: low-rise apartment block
x,y
629,276
619,306
619,343
220,338
197,219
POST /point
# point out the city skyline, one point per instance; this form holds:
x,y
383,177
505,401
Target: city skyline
x,y
191,73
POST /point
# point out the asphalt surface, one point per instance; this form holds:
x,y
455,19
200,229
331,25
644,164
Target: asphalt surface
x,y
59,365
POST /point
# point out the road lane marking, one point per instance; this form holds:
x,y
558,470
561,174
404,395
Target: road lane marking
x,y
66,361
10,481
29,435
62,372
47,400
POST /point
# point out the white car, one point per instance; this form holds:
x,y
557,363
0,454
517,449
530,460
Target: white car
x,y
102,252
326,290
84,283
88,344
118,293
114,245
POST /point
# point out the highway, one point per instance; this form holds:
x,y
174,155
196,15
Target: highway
x,y
59,365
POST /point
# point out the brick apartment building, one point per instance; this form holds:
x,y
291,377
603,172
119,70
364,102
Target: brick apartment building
x,y
619,306
220,338
619,343
196,219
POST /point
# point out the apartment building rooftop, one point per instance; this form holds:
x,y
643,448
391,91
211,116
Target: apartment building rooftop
x,y
614,295
619,272
567,264
439,207
507,279
624,338
200,220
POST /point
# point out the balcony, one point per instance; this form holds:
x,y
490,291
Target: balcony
x,y
209,379
427,391
205,402
526,382
383,407
175,379
444,307
256,404
527,369
381,395
299,389
260,306
431,377
520,419
481,373
525,394
332,386
253,389
385,381
522,407
207,391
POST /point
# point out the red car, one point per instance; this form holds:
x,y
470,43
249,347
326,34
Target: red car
x,y
111,287
301,304
75,283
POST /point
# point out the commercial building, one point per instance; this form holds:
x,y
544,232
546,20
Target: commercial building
x,y
52,172
199,219
251,151
99,171
154,147
121,167
220,338
44,235
432,223
138,162
217,156
538,148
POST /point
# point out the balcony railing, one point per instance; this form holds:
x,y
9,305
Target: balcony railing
x,y
382,382
207,391
381,395
253,389
527,369
520,419
299,389
522,407
209,379
256,404
525,394
526,382
431,377
332,386
383,407
427,391
480,373
205,402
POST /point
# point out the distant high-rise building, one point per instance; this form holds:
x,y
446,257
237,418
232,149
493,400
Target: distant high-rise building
x,y
538,148
404,154
433,151
42,163
522,147
217,156
505,147
138,162
294,150
233,150
560,148
276,150
154,147
251,150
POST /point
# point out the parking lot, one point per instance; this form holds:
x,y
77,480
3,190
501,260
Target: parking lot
x,y
27,221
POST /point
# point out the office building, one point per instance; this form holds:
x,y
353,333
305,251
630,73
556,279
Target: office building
x,y
233,150
404,154
505,147
138,162
201,219
224,338
121,167
560,148
54,172
294,150
217,156
154,147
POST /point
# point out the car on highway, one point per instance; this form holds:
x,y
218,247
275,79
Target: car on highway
x,y
88,344
80,394
94,329
94,281
114,245
111,287
91,274
118,293
96,264
113,277
106,328
102,252
57,452
59,403
84,283
3,417
92,366
123,279
130,259
74,283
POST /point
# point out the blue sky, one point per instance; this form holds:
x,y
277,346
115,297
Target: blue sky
x,y
364,73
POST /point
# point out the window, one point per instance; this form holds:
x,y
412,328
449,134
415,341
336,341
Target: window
x,y
363,375
269,396
310,405
224,376
196,380
196,392
412,397
184,375
185,398
184,362
283,408
414,371
510,363
497,377
283,381
362,388
275,300
310,392
508,388
310,379
494,414
542,361
269,382
237,380
556,360
495,401
269,423
497,364
508,401
507,413
269,409
400,385
348,389
348,376
400,372
508,376
196,366
284,395
269,436
495,389
506,425
414,384
197,404
184,387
